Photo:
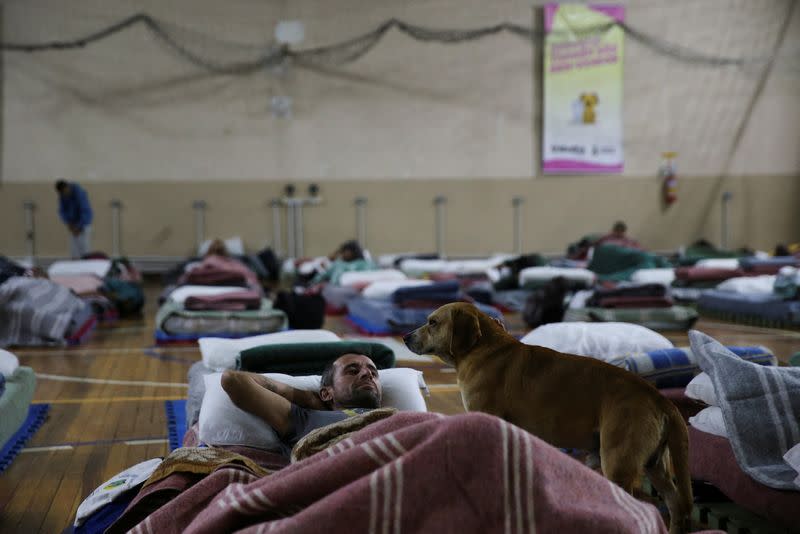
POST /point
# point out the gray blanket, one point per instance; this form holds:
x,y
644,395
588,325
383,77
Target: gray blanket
x,y
760,406
36,311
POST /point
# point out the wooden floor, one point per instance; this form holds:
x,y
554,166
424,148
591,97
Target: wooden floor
x,y
97,427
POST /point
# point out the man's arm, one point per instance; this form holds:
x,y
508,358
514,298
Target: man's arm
x,y
267,399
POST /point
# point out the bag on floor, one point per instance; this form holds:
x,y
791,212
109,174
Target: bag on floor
x,y
128,297
305,311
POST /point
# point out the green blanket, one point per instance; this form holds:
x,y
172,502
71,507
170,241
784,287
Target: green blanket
x,y
704,251
170,308
309,358
612,262
15,401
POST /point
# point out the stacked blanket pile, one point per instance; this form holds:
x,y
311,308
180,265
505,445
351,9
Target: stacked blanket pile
x,y
406,308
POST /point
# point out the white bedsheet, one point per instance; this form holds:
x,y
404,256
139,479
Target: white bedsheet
x,y
77,267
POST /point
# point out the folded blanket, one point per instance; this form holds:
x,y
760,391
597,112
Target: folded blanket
x,y
236,300
179,294
761,408
635,302
216,270
383,289
706,274
309,358
675,367
441,292
612,262
674,318
768,265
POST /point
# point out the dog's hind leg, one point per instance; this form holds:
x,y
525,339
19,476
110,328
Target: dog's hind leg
x,y
624,452
661,478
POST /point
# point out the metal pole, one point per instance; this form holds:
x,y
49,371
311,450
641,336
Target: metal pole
x,y
298,228
440,202
30,229
275,204
725,234
116,219
199,221
516,204
361,221
291,250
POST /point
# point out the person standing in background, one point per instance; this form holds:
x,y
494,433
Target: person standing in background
x,y
76,212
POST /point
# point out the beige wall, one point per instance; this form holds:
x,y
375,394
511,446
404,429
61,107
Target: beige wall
x,y
408,121
158,217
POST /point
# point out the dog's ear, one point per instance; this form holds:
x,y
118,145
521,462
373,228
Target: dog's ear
x,y
465,331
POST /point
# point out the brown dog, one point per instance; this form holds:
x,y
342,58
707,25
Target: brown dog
x,y
566,400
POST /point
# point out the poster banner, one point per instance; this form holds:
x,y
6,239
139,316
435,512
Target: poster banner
x,y
582,89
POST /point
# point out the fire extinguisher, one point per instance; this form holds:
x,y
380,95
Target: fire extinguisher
x,y
669,180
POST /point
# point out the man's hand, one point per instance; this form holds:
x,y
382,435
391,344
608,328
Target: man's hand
x,y
75,230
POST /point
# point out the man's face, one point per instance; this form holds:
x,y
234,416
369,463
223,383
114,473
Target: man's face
x,y
355,383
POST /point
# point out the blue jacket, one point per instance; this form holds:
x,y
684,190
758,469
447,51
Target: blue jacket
x,y
75,208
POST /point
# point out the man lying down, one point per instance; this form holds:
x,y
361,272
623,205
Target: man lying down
x,y
349,385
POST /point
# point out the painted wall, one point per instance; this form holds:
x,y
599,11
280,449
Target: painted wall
x,y
130,120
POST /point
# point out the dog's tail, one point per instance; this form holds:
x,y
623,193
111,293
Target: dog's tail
x,y
678,446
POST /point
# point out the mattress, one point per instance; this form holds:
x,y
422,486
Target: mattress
x,y
172,319
15,400
768,310
673,318
712,459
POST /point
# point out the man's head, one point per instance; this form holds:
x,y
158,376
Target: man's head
x,y
351,381
350,251
63,188
218,248
619,228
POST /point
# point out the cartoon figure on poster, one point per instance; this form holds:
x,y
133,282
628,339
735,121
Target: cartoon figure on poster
x,y
583,108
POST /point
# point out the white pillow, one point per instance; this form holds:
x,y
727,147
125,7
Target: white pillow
x,y
222,423
8,363
234,245
220,353
664,276
383,289
544,274
180,294
718,263
361,278
701,388
603,341
76,267
710,420
749,285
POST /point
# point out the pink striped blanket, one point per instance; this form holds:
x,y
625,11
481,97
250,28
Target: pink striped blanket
x,y
414,472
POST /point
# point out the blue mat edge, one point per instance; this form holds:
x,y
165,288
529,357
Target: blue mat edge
x,y
176,422
37,413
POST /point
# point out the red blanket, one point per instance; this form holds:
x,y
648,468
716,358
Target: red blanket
x,y
697,274
233,301
415,472
220,270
